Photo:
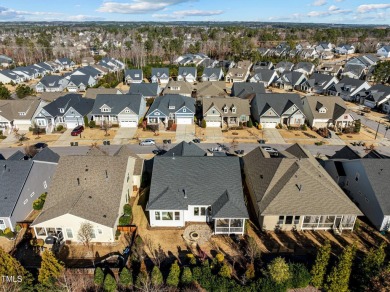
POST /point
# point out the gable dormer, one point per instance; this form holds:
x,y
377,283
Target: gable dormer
x,y
322,110
234,109
105,109
62,110
225,109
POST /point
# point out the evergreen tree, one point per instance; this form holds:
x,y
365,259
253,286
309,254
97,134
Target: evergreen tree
x,y
186,276
225,271
371,265
23,90
300,276
338,279
174,274
157,277
4,92
142,277
204,124
380,282
318,271
50,269
250,272
86,123
126,278
109,283
98,278
279,271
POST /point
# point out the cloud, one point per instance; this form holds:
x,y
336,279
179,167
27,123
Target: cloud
x,y
82,17
332,10
319,3
11,14
138,6
188,13
339,0
370,7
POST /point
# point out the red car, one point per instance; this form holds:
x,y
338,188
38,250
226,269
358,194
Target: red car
x,y
77,131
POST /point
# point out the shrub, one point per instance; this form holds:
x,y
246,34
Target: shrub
x,y
38,203
358,125
250,124
18,228
1,232
250,272
300,276
109,283
204,124
319,143
98,278
186,276
260,127
174,274
266,284
191,259
225,271
60,128
92,124
126,278
127,210
279,271
117,234
86,123
220,257
7,231
157,277
124,220
304,127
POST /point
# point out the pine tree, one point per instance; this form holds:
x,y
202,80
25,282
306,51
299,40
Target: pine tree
x,y
371,265
50,269
126,278
186,276
98,277
279,271
9,266
142,277
318,271
204,124
157,277
174,274
109,283
338,279
225,271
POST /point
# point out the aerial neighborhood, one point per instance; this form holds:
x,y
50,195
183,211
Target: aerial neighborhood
x,y
196,169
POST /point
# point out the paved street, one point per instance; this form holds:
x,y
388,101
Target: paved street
x,y
373,125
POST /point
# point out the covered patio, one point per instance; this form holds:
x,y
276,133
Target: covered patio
x,y
229,226
325,222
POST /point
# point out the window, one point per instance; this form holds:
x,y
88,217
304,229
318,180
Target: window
x,y
289,219
25,201
2,224
127,111
184,110
69,233
22,113
100,231
296,220
32,194
281,220
203,211
357,176
177,215
93,233
199,211
171,107
157,114
40,231
62,110
136,75
45,184
152,120
167,216
225,110
196,211
234,110
106,110
213,111
157,215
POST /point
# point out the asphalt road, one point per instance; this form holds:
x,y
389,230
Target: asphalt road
x,y
373,125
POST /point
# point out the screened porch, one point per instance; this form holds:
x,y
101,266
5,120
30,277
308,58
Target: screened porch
x,y
229,226
324,222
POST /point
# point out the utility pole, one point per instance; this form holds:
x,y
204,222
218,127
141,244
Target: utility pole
x,y
377,128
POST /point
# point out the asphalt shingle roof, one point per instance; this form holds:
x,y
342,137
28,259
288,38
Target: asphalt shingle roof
x,y
162,103
185,149
64,102
280,102
146,89
46,154
117,103
244,89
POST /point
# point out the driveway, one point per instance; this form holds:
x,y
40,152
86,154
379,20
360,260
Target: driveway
x,y
335,140
123,135
11,139
185,133
213,135
272,136
64,139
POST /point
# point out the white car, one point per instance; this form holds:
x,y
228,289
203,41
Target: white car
x,y
147,142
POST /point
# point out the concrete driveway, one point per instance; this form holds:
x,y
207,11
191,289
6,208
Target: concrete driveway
x,y
273,136
65,139
123,135
213,135
11,139
185,133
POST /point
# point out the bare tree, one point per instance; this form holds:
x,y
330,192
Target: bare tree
x,y
20,136
106,127
158,255
252,249
30,150
85,233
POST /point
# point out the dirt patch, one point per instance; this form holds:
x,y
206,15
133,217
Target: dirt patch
x,y
123,87
141,134
297,134
97,134
46,138
364,135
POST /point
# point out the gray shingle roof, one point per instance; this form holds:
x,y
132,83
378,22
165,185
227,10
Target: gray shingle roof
x,y
207,72
64,102
132,74
79,79
51,80
335,106
146,89
264,75
93,92
46,154
242,105
13,175
280,102
18,155
160,71
117,103
185,149
244,89
205,181
184,71
292,77
347,82
162,103
285,186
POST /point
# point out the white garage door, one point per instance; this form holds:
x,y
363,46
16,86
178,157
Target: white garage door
x,y
213,124
128,124
184,121
269,125
71,125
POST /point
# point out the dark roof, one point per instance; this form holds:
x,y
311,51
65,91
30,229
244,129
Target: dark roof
x,y
319,80
18,155
263,74
185,149
280,102
347,82
132,72
79,79
47,155
210,181
163,103
51,80
346,153
207,72
245,89
160,71
85,106
146,89
117,103
292,77
64,102
13,175
184,71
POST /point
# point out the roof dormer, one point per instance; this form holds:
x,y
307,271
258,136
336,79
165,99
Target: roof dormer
x,y
322,110
105,109
62,110
234,109
225,109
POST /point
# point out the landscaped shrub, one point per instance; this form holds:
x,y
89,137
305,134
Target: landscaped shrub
x,y
18,228
157,277
304,127
60,128
38,203
117,234
86,123
92,124
250,272
220,257
98,278
191,259
124,220
186,276
249,124
225,271
204,124
127,210
279,270
174,274
126,278
109,283
300,276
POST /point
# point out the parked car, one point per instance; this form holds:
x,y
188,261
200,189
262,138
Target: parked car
x,y
77,131
196,140
159,151
147,142
271,151
40,145
167,141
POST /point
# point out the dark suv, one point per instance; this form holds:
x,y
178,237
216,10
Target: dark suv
x,y
77,131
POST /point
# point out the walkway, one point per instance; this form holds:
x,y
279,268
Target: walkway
x,y
185,133
199,233
335,140
272,136
11,139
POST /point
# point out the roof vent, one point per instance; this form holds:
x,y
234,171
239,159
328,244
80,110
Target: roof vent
x,y
78,181
261,176
90,197
104,216
185,193
173,155
299,186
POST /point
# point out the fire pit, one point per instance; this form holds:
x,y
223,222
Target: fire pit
x,y
194,235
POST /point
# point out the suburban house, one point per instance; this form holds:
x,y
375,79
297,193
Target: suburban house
x,y
212,74
263,65
265,76
210,89
65,63
147,90
284,66
51,83
62,111
174,108
184,148
318,83
88,70
225,64
324,47
375,97
8,76
326,55
348,88
225,111
178,87
87,61
247,90
187,74
22,182
272,109
5,61
330,69
125,110
383,52
28,72
353,71
239,73
175,200
294,192
88,180
303,45
365,181
366,61
160,75
345,49
19,114
77,83
93,92
309,53
290,80
134,76
54,65
112,64
306,68
326,111
192,59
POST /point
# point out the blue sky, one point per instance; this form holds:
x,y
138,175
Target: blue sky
x,y
317,11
